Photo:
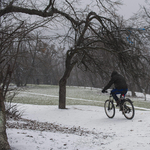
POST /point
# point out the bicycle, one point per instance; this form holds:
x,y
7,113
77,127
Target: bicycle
x,y
126,106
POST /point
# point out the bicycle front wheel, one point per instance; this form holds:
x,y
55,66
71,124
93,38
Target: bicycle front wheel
x,y
128,109
109,108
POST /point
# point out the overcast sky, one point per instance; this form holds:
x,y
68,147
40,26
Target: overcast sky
x,y
130,7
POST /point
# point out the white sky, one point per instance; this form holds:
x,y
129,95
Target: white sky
x,y
130,7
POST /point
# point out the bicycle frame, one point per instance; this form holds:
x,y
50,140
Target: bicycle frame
x,y
111,98
126,106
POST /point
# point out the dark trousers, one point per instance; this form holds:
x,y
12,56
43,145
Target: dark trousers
x,y
114,93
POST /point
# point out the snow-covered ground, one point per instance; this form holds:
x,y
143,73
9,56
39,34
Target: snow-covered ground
x,y
78,128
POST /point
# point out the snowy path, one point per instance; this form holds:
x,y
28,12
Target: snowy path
x,y
112,134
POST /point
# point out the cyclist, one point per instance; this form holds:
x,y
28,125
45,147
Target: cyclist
x,y
119,84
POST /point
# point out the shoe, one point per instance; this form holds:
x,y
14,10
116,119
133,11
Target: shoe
x,y
121,109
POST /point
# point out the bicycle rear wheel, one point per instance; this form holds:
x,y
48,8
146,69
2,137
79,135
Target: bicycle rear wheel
x,y
128,109
109,108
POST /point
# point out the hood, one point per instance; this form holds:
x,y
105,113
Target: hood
x,y
114,73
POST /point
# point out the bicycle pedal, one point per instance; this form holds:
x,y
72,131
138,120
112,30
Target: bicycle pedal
x,y
120,109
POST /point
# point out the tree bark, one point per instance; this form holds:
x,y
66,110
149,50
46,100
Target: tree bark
x,y
62,93
62,88
63,81
4,145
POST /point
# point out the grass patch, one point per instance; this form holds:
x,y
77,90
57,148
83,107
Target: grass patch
x,y
144,104
36,100
48,95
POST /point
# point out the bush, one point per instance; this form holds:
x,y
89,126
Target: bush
x,y
13,111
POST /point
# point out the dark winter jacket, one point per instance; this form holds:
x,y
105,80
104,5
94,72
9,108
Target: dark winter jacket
x,y
118,81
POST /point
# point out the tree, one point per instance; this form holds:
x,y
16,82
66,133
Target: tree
x,y
3,136
139,25
8,32
87,35
12,33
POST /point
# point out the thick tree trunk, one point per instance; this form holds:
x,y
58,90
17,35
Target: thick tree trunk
x,y
62,87
4,145
63,81
62,93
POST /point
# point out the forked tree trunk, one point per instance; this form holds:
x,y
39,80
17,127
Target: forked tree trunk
x,y
4,145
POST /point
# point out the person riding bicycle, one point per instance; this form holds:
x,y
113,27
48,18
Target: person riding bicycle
x,y
119,84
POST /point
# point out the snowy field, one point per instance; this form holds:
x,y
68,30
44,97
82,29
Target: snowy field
x,y
79,127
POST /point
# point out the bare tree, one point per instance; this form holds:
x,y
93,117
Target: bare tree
x,y
139,25
87,35
7,62
12,33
